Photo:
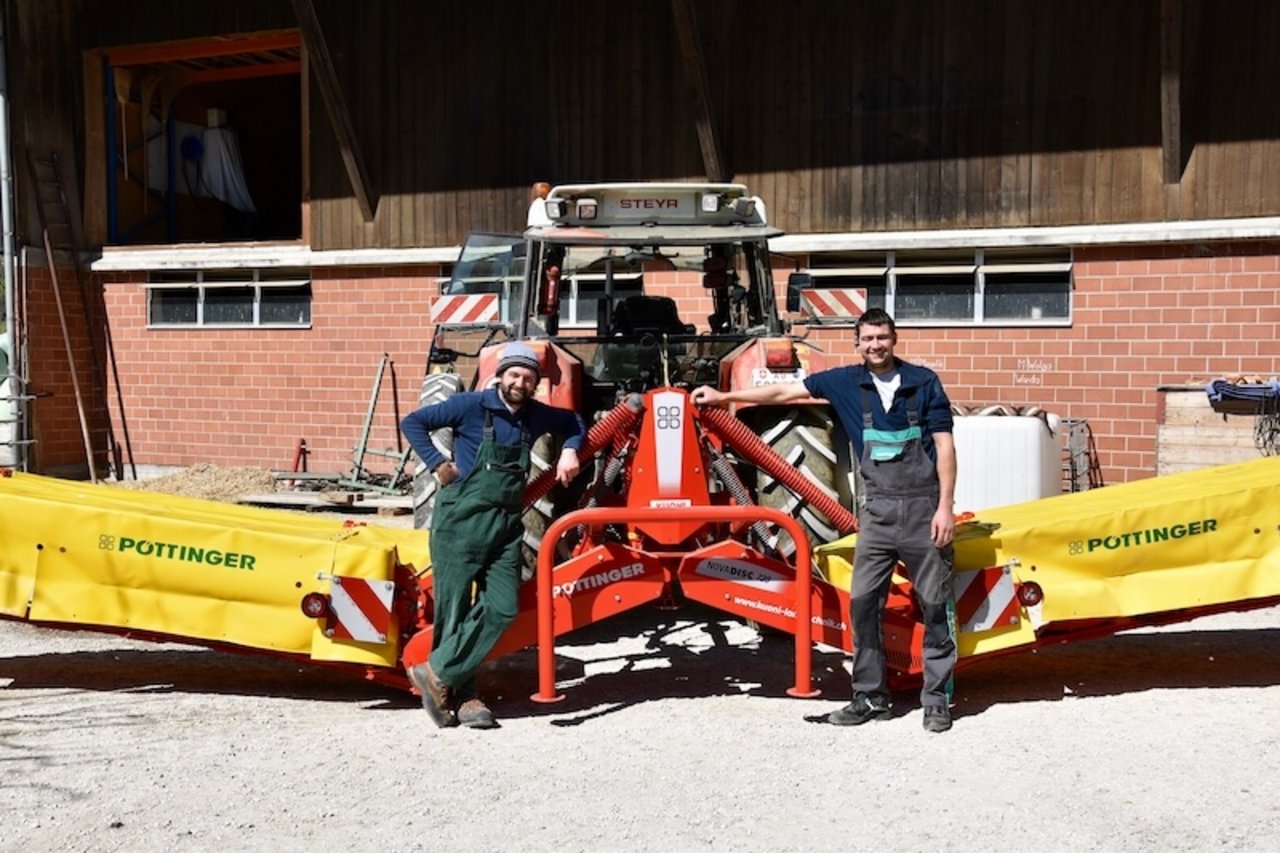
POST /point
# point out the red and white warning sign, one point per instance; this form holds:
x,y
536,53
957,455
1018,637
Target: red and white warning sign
x,y
985,599
835,303
465,308
360,608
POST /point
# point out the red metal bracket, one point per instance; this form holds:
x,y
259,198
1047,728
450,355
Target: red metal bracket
x,y
614,515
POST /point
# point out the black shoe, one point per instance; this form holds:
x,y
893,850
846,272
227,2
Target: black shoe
x,y
861,710
937,718
474,714
435,695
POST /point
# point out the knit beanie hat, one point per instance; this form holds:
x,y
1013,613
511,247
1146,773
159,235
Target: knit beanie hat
x,y
516,354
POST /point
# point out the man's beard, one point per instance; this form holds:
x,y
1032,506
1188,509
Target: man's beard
x,y
513,395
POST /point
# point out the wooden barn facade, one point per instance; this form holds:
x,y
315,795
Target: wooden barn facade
x,y
1068,204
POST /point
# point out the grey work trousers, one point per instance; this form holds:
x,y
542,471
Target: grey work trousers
x,y
893,529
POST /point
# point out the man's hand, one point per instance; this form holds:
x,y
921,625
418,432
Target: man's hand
x,y
705,395
446,472
567,468
943,527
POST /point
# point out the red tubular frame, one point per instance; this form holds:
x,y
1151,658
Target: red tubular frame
x,y
616,515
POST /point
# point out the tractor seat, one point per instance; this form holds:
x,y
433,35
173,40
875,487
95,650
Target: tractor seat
x,y
655,315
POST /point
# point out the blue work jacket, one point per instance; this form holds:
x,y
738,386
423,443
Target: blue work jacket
x,y
464,413
842,388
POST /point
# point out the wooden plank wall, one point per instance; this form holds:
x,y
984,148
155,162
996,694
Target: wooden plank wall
x,y
50,84
850,116
1191,435
843,116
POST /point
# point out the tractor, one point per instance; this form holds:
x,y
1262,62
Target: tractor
x,y
609,284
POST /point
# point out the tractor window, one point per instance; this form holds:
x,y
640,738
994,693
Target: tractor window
x,y
580,300
490,263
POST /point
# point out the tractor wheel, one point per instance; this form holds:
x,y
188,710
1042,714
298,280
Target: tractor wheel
x,y
543,456
807,439
436,388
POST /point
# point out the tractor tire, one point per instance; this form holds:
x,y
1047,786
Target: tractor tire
x,y
436,388
807,438
542,457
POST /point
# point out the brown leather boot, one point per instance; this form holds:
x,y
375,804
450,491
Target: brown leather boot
x,y
435,695
476,715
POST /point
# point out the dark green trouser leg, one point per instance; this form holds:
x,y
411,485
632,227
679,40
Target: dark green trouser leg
x,y
483,550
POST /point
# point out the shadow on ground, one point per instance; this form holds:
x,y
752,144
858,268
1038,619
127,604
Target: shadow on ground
x,y
1123,664
684,653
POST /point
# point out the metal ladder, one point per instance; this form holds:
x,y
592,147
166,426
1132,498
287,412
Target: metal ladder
x,y
360,477
60,235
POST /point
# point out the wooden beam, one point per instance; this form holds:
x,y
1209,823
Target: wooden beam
x,y
1171,89
203,48
695,68
243,72
326,78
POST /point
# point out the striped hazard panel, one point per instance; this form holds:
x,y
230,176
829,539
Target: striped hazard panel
x,y
465,308
833,303
360,609
985,599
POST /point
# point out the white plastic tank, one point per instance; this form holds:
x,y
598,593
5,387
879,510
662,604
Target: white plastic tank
x,y
1006,459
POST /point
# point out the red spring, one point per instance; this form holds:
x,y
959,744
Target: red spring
x,y
740,437
619,420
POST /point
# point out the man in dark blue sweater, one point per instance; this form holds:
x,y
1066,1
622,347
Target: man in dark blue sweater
x,y
899,420
476,526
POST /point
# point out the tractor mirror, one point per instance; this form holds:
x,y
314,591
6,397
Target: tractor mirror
x,y
797,282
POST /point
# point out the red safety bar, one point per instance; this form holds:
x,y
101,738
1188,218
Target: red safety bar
x,y
616,515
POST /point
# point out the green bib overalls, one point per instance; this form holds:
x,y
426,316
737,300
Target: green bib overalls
x,y
902,496
475,540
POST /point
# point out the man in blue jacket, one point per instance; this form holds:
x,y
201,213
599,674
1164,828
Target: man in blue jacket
x,y
476,526
899,419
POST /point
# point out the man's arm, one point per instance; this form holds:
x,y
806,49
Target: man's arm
x,y
418,426
943,526
783,392
574,430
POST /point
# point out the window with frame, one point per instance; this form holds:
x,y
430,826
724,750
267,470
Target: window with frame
x,y
582,293
229,298
1024,287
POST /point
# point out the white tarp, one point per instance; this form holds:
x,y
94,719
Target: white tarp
x,y
218,172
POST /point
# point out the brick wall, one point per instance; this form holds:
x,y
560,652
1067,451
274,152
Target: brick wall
x,y
247,396
59,446
1143,317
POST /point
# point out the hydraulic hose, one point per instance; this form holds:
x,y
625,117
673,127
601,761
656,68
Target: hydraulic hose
x,y
612,471
620,419
729,477
740,437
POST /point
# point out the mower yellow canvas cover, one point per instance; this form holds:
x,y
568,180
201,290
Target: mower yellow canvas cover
x,y
222,574
1150,551
1062,568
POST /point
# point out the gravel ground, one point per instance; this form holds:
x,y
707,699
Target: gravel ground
x,y
674,734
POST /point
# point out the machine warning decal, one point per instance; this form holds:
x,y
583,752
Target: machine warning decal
x,y
740,571
172,551
1135,538
669,411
